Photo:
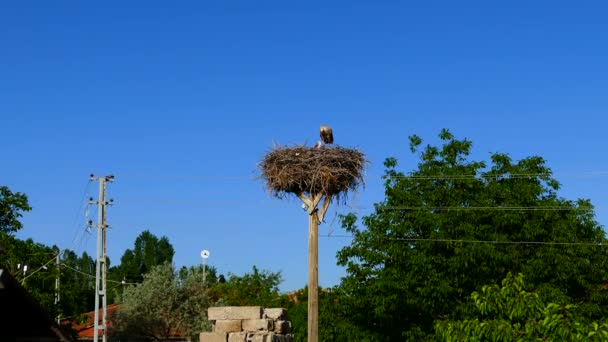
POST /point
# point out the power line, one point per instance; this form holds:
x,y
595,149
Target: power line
x,y
78,271
211,177
80,227
496,242
231,203
502,176
473,176
547,208
93,276
40,268
144,176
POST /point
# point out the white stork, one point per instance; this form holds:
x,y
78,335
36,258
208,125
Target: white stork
x,y
327,136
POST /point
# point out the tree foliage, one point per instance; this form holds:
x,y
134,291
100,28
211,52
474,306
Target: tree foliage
x,y
454,224
32,264
334,318
12,206
512,313
77,284
255,288
148,251
170,301
164,305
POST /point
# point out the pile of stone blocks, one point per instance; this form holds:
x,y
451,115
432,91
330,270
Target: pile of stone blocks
x,y
247,324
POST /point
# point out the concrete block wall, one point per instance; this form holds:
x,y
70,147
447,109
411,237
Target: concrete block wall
x,y
247,324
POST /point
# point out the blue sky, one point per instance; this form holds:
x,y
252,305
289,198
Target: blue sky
x,y
181,100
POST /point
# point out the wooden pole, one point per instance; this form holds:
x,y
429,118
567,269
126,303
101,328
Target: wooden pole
x,y
313,277
314,218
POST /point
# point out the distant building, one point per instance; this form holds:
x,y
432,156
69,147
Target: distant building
x,y
86,329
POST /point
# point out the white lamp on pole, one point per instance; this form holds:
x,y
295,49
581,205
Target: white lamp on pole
x,y
204,255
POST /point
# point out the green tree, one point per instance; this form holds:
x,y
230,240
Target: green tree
x,y
334,322
148,251
33,265
77,284
210,273
255,288
512,313
422,251
163,304
12,206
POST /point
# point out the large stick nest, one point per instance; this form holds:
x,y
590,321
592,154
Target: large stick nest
x,y
300,169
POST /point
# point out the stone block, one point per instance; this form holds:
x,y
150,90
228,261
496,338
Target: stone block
x,y
275,313
234,312
237,337
213,337
282,327
261,337
263,324
227,325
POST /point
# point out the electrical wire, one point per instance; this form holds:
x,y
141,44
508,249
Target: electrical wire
x,y
498,176
473,176
496,242
208,177
92,276
215,204
40,268
77,240
144,176
547,208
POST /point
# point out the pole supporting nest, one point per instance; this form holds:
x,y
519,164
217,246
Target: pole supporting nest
x,y
314,175
313,205
315,217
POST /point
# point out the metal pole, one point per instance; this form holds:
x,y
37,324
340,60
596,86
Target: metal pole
x,y
204,273
204,255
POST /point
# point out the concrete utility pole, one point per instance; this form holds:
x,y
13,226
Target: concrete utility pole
x,y
57,296
101,265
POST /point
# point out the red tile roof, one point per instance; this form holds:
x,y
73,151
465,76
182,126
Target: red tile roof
x,y
86,329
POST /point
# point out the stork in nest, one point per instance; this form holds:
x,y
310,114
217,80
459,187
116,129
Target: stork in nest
x,y
327,136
